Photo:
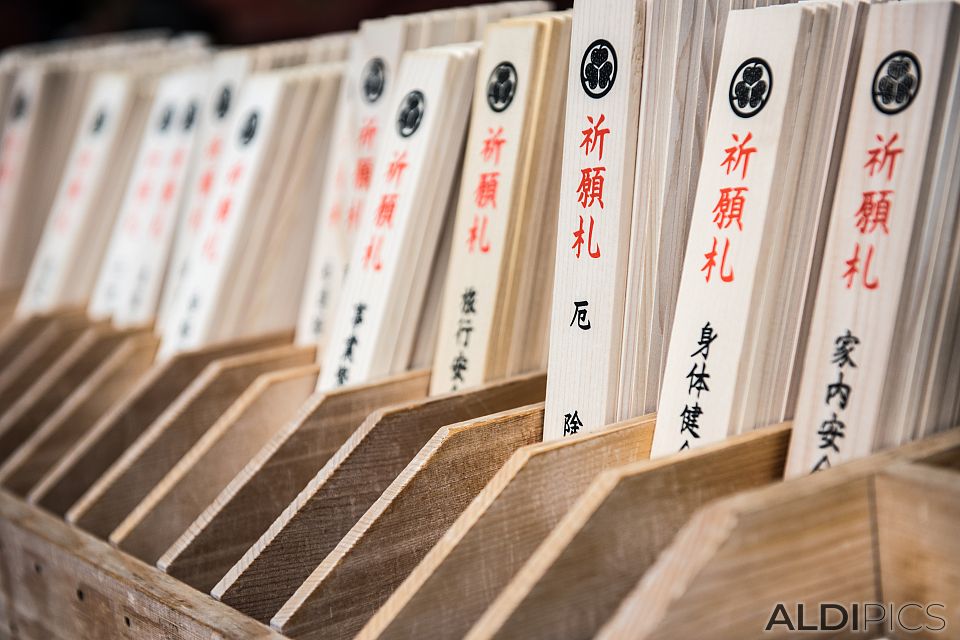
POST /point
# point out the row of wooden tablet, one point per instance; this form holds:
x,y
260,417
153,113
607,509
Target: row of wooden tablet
x,y
750,216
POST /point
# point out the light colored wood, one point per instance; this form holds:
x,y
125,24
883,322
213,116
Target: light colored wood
x,y
183,494
105,386
615,531
917,510
61,582
594,272
381,549
37,355
100,447
808,540
243,511
51,389
348,484
486,546
170,436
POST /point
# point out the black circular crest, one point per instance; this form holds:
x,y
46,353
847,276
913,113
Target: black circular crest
x,y
896,82
99,120
190,116
751,87
598,69
249,128
19,106
502,86
223,102
374,80
165,118
411,113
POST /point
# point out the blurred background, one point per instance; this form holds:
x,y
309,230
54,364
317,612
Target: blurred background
x,y
227,21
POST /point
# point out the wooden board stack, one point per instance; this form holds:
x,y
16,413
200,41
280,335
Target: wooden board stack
x,y
362,115
376,318
881,359
493,313
757,226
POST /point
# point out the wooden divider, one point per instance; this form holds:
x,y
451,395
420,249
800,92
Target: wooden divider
x,y
100,447
257,496
385,545
486,546
61,379
107,384
115,494
806,541
165,513
612,535
60,582
16,335
8,304
918,512
37,355
348,484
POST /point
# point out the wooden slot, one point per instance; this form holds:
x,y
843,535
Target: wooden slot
x,y
163,443
486,546
78,413
805,541
51,389
609,538
61,582
8,304
176,501
349,483
38,354
18,333
257,496
100,447
404,523
918,511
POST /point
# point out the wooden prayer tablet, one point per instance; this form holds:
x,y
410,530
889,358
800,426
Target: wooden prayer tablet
x,y
390,262
757,225
596,192
508,158
880,359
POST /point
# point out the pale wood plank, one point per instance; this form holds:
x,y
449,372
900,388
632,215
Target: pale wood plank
x,y
351,481
482,551
183,494
164,442
100,447
348,586
576,579
243,511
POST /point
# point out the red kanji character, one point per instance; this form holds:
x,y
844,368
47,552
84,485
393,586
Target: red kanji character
x,y
223,210
156,225
593,136
388,203
195,218
873,214
737,153
335,213
235,172
371,255
206,182
177,159
353,215
729,209
578,240
590,189
143,191
726,275
74,189
210,248
478,234
883,156
368,133
84,159
853,268
153,159
492,144
486,192
169,190
363,173
213,149
396,167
